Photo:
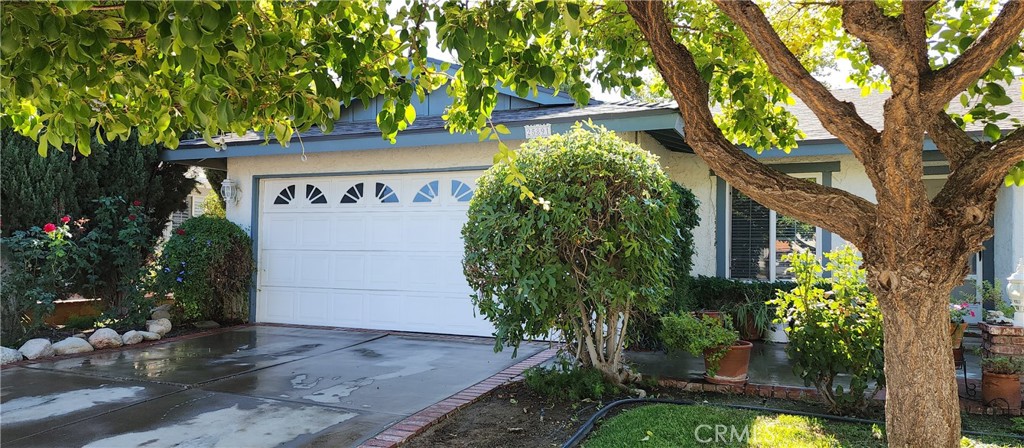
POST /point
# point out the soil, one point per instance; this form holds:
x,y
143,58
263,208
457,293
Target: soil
x,y
509,416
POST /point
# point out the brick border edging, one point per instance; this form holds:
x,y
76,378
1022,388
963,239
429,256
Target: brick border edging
x,y
419,422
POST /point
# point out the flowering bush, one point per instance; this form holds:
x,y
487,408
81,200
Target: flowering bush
x,y
117,246
959,311
40,267
208,264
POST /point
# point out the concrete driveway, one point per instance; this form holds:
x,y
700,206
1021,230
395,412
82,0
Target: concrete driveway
x,y
250,387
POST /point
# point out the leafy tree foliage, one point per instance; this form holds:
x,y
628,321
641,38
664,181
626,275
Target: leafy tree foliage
x,y
600,248
37,190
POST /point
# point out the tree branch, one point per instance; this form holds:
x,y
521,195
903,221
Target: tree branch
x,y
953,142
850,216
880,33
917,33
838,117
941,86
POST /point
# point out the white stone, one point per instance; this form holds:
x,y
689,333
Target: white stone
x,y
160,314
9,355
149,336
132,337
159,326
36,348
71,345
105,338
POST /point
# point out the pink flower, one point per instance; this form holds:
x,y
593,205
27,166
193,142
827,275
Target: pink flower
x,y
66,219
49,228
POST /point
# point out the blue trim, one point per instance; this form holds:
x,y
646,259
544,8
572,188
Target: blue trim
x,y
810,167
254,223
660,119
826,236
254,216
721,217
828,148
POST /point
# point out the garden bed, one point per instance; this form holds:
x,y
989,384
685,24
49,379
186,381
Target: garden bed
x,y
514,416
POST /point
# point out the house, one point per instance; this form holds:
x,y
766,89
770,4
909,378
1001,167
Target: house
x,y
353,231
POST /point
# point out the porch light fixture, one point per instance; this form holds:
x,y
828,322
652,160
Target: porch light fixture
x,y
1015,290
229,191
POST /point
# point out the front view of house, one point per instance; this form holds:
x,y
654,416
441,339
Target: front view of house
x,y
353,231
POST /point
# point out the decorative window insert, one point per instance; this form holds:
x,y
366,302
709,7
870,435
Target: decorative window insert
x,y
315,195
461,191
427,193
285,196
759,238
385,194
353,194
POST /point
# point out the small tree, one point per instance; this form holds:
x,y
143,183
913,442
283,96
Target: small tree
x,y
599,249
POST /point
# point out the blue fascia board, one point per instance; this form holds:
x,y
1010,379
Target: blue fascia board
x,y
822,148
641,121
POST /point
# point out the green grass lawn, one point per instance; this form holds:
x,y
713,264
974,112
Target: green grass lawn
x,y
666,425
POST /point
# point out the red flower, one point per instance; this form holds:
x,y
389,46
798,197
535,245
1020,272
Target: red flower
x,y
180,231
49,228
131,217
66,219
137,203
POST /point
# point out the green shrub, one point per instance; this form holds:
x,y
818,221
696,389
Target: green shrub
x,y
685,331
76,322
833,332
1003,365
599,248
115,246
643,332
565,382
208,264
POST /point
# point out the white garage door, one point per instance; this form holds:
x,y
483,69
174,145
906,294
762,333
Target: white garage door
x,y
380,252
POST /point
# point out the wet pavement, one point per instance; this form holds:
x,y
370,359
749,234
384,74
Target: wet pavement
x,y
250,387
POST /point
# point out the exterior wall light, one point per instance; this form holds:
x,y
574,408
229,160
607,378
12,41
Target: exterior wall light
x,y
229,191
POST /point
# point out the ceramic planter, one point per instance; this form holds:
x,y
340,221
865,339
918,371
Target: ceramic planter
x,y
732,369
957,331
1000,390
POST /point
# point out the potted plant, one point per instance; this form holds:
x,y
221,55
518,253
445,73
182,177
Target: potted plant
x,y
753,317
726,357
957,313
1000,381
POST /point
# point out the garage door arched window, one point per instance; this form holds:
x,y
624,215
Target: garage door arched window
x,y
314,195
427,193
353,195
385,194
285,196
460,191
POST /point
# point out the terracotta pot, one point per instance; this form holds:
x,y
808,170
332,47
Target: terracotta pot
x,y
712,313
748,330
732,369
1000,390
957,331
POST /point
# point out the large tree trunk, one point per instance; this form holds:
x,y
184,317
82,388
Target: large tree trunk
x,y
922,406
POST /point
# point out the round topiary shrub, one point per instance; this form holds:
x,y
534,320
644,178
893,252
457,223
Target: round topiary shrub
x,y
208,264
597,248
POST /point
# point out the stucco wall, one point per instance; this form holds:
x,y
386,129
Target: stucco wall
x,y
1009,232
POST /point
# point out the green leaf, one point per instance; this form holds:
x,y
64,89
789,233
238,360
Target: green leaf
x,y
163,122
43,146
547,75
25,16
992,131
410,114
502,129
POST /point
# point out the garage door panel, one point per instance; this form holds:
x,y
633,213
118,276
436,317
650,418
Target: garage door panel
x,y
385,256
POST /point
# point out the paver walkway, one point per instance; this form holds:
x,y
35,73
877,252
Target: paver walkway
x,y
249,387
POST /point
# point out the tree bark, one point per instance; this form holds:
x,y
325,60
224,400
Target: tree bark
x,y
921,402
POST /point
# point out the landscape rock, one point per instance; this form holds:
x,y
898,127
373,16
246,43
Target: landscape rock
x,y
9,355
36,348
105,338
149,336
160,314
207,325
80,336
164,307
71,345
159,326
132,337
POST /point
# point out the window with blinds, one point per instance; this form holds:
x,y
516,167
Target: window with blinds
x,y
759,238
